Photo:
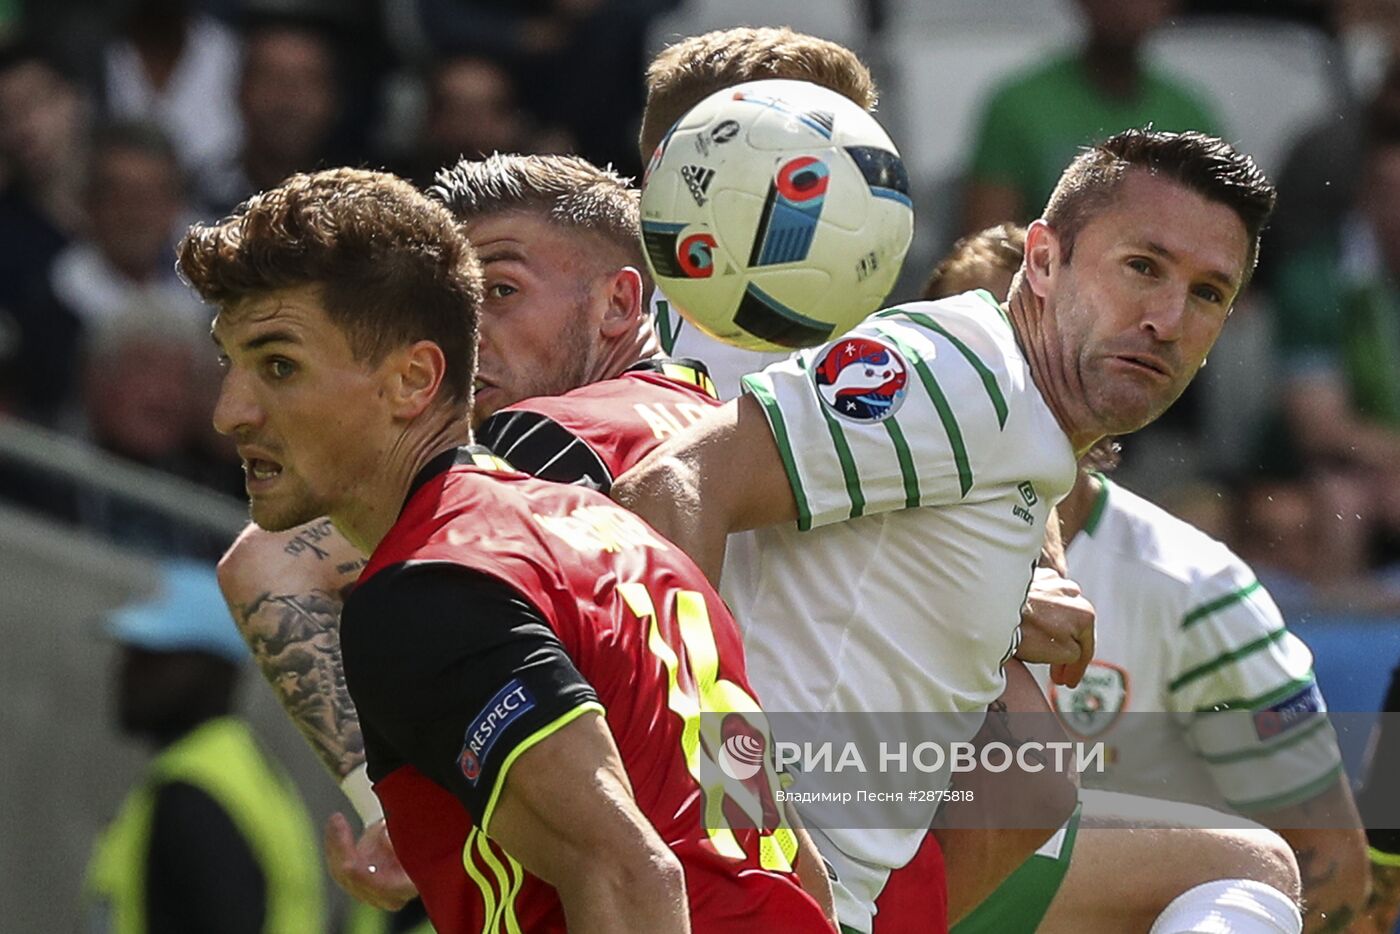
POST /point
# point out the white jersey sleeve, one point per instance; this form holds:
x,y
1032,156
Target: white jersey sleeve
x,y
908,409
1244,686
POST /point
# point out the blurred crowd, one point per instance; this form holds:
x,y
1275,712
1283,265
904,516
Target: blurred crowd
x,y
122,122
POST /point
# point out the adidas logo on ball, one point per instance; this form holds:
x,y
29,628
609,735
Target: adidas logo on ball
x,y
697,179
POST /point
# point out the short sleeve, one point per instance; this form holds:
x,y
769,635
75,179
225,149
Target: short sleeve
x,y
457,674
900,412
538,445
1252,708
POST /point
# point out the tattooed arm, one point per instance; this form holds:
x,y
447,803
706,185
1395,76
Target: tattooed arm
x,y
1325,834
1010,813
285,590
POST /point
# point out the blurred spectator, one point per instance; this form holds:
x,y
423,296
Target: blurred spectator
x,y
138,388
472,111
43,135
1307,537
288,99
1321,175
214,837
1034,123
577,62
179,69
1339,326
136,206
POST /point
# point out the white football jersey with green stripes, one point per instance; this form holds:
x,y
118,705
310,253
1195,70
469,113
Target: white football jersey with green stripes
x,y
924,463
726,363
1187,635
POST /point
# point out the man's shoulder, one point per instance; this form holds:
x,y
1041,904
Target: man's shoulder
x,y
1183,564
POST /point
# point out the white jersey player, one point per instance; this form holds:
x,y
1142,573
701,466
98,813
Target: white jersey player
x,y
1186,629
904,503
1200,693
899,608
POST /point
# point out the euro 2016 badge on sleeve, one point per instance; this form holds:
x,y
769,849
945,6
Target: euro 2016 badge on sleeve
x,y
861,379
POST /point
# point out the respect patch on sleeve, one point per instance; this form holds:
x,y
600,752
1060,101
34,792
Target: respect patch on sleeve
x,y
509,704
1289,713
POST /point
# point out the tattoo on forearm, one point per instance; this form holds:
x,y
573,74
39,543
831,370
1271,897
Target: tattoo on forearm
x,y
305,541
998,727
296,641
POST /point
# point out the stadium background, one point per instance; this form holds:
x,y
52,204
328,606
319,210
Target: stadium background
x,y
106,461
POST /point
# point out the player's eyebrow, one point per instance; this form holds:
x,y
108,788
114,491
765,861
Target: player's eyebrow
x,y
1222,278
503,254
270,337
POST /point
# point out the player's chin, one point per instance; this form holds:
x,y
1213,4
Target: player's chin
x,y
278,514
1124,408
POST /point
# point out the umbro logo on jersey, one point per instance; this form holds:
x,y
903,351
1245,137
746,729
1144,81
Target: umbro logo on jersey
x,y
1027,493
697,179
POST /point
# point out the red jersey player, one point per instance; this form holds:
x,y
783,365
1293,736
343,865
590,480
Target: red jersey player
x,y
339,392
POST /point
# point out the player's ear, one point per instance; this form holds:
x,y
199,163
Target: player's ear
x,y
415,376
625,302
1042,257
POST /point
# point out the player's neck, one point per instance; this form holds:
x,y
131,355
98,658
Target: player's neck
x,y
625,354
1074,509
1040,345
367,514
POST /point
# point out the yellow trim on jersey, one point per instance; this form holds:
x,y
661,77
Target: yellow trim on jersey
x,y
691,377
488,893
489,462
510,887
543,733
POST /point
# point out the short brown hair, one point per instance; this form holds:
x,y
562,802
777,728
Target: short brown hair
x,y
570,191
975,259
1206,165
686,73
391,265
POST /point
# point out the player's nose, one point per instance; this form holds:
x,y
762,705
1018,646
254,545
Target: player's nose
x,y
237,409
1163,312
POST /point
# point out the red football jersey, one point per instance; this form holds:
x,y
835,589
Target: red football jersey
x,y
643,626
597,432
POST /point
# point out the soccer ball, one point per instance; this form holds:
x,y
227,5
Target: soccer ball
x,y
776,215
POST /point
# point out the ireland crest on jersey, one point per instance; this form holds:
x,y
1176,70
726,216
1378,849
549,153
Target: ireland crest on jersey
x,y
1095,705
861,378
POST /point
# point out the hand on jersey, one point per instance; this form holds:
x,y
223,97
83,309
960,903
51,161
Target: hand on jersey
x,y
367,868
1057,627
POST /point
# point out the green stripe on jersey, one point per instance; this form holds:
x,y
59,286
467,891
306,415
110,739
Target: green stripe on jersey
x,y
1289,798
1091,524
664,331
1267,699
761,388
1219,603
989,380
984,372
1259,752
849,473
906,463
940,402
1228,658
991,299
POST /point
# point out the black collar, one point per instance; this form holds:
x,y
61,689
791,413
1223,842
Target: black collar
x,y
464,456
657,365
